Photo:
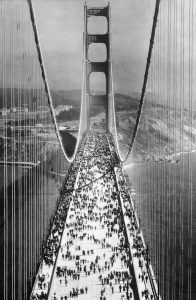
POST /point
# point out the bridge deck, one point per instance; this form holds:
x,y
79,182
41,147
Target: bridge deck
x,y
95,256
87,258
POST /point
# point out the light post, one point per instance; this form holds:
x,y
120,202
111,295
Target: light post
x,y
30,283
156,279
147,257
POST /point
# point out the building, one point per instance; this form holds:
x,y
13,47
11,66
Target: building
x,y
61,128
19,109
43,109
4,111
68,107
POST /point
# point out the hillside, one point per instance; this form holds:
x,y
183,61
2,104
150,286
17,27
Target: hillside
x,y
160,135
164,136
61,97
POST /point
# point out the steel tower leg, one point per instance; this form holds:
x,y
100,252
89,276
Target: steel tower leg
x,y
98,66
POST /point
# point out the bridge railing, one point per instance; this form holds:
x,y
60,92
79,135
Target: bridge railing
x,y
56,259
141,284
42,263
150,271
71,193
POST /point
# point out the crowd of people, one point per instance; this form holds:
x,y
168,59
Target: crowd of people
x,y
95,239
88,237
51,247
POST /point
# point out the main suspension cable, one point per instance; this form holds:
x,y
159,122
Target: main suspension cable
x,y
142,98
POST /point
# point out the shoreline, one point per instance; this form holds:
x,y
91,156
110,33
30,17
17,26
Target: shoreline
x,y
172,158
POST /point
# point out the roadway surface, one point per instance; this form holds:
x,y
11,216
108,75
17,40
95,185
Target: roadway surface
x,y
96,256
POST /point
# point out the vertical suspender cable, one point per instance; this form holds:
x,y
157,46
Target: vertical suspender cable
x,y
190,77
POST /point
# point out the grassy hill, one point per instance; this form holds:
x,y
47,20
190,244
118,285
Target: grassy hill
x,y
60,97
154,125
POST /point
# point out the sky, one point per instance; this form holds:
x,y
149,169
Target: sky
x,y
60,25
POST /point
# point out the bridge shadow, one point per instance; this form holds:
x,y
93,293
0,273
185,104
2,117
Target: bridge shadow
x,y
69,142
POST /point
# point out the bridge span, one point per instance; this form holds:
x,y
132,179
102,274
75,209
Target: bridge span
x,y
95,249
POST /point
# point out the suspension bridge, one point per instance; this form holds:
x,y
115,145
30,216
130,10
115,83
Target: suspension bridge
x,y
109,215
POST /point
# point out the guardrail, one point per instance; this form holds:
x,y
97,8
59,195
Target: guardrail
x,y
40,270
150,271
143,285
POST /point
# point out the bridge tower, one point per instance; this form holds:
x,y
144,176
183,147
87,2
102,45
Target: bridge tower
x,y
107,100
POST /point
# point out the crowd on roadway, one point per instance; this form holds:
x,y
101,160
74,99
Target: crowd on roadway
x,y
90,243
96,245
50,249
96,159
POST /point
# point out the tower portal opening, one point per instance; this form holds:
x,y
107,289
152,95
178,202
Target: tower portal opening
x,y
97,83
97,25
97,52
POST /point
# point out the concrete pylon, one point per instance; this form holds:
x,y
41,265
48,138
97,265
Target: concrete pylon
x,y
105,67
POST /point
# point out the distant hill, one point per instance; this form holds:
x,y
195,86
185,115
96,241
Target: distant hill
x,y
154,123
73,97
122,103
60,97
64,97
125,102
14,97
161,127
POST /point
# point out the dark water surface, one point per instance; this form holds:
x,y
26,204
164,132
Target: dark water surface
x,y
166,204
29,197
31,202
